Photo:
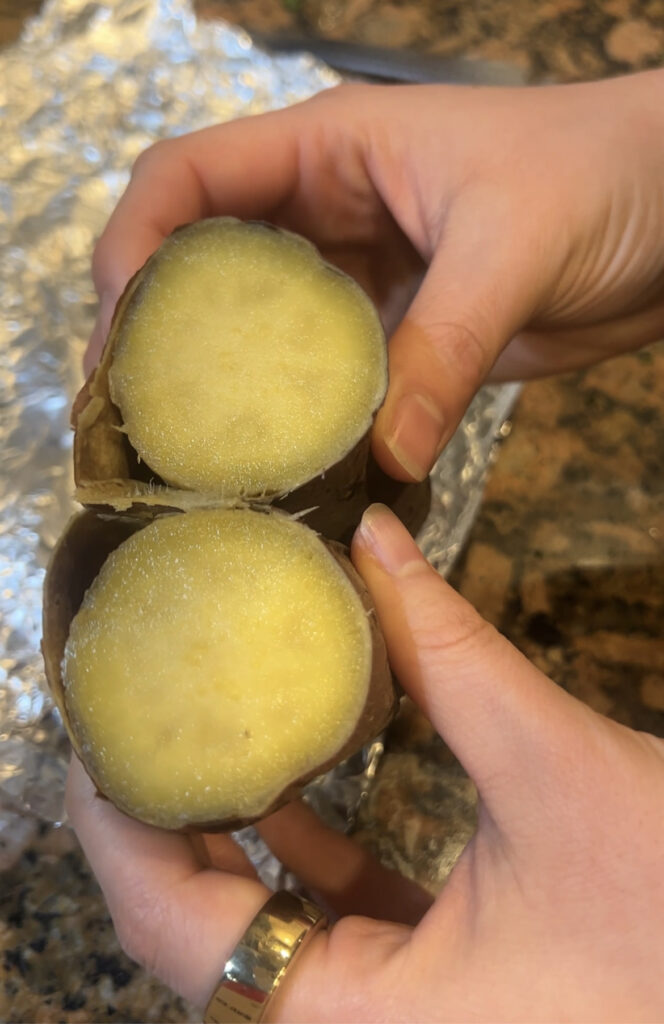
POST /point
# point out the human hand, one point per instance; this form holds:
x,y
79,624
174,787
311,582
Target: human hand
x,y
555,910
539,214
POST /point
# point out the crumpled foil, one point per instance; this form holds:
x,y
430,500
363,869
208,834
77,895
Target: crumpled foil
x,y
88,87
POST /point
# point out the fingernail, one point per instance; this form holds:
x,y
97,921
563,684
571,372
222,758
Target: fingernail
x,y
388,541
417,434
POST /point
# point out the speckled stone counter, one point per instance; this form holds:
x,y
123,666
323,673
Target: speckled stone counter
x,y
566,556
565,40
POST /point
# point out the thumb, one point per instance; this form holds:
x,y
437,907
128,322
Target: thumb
x,y
515,732
442,351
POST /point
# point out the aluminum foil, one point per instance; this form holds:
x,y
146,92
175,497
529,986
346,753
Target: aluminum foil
x,y
87,88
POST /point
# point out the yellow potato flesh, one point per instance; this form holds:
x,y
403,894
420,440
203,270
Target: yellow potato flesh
x,y
217,657
245,365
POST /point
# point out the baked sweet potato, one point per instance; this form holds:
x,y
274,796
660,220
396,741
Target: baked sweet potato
x,y
209,658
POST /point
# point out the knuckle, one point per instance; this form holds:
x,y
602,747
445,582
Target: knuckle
x,y
362,953
130,941
464,350
342,98
151,157
140,923
353,934
462,639
366,944
104,258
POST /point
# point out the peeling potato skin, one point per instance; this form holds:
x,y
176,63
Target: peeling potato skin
x,y
103,460
86,543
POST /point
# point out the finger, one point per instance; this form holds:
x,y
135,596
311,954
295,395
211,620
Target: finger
x,y
167,856
181,180
198,175
341,875
183,923
216,850
179,921
474,298
514,730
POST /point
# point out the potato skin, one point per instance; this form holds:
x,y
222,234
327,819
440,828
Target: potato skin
x,y
80,553
338,519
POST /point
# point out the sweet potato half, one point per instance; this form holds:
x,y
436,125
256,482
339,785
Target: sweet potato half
x,y
240,367
209,664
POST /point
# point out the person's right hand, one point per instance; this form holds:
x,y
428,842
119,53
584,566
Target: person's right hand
x,y
502,232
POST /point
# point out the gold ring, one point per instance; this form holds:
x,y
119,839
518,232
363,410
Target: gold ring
x,y
281,928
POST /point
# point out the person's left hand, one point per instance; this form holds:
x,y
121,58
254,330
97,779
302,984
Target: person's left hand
x,y
180,903
554,911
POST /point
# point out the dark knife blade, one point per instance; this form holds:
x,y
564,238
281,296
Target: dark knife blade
x,y
392,65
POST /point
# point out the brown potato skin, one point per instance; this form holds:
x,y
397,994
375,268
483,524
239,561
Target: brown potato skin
x,y
80,553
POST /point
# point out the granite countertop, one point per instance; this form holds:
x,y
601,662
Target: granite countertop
x,y
566,556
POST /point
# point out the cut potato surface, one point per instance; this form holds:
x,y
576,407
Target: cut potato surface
x,y
244,364
218,657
